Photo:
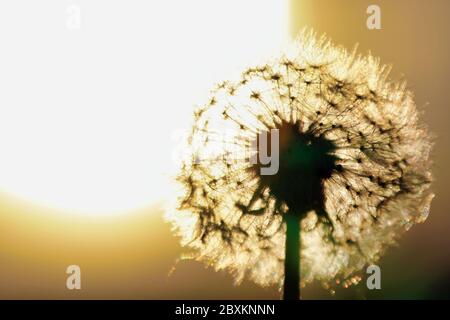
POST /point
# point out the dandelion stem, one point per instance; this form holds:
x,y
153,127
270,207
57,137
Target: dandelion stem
x,y
292,258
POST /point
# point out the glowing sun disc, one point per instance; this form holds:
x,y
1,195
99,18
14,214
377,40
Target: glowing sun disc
x,y
87,115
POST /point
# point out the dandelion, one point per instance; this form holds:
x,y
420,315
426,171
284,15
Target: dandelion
x,y
354,169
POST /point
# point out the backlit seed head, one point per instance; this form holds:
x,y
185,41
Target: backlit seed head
x,y
354,163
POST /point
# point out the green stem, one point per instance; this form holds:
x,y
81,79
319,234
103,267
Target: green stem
x,y
292,258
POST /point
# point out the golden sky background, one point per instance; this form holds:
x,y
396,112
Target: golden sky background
x,y
130,256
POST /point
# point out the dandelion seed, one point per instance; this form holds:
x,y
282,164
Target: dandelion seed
x,y
354,169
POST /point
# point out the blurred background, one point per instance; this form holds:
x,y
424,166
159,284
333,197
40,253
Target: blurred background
x,y
91,95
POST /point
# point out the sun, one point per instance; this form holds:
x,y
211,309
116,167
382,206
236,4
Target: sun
x,y
89,117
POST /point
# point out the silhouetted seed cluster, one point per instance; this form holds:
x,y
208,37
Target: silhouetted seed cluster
x,y
378,187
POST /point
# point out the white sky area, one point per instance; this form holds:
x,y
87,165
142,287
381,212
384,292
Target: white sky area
x,y
87,115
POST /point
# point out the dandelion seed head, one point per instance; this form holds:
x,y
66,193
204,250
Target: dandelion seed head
x,y
367,179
